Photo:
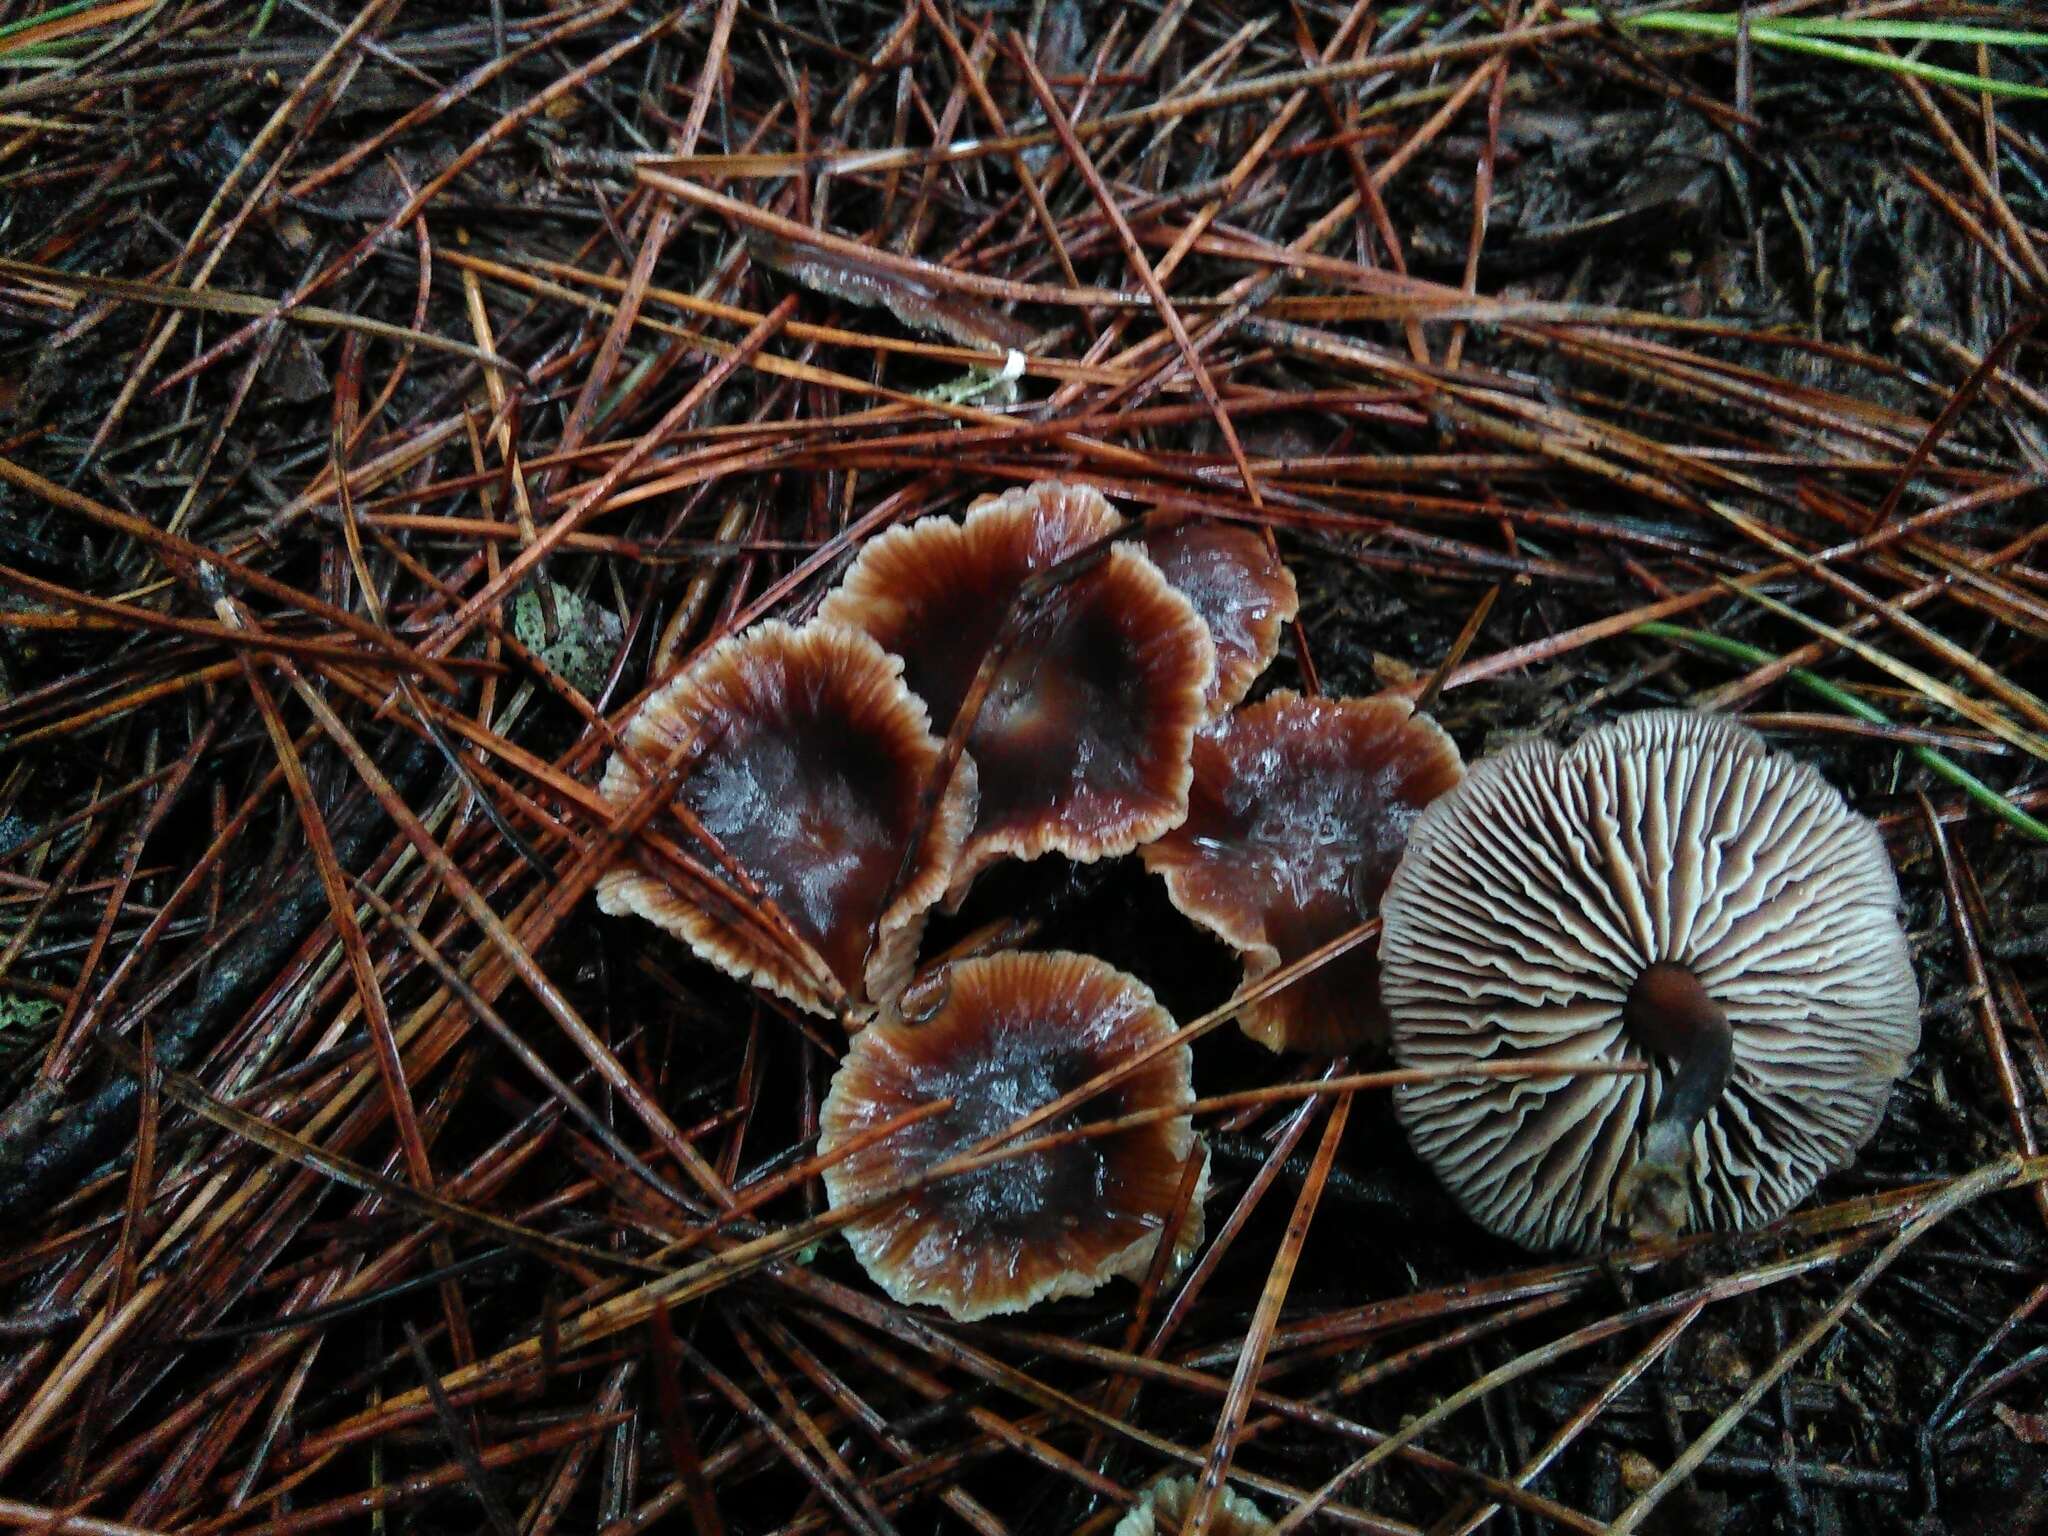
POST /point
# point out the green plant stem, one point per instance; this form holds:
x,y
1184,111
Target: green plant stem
x,y
57,13
1814,37
1937,763
1720,24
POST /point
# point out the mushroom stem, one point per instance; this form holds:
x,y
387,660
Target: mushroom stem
x,y
1669,1012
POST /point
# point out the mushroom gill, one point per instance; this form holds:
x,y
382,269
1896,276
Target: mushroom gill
x,y
1163,1511
1667,890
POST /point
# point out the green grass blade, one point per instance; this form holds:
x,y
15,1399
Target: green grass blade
x,y
1939,764
56,13
1815,38
1906,31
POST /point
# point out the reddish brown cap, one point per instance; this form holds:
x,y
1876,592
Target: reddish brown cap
x,y
1243,592
1082,741
812,776
1011,1033
1298,815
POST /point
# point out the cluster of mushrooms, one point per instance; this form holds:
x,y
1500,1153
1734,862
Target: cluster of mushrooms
x,y
1042,677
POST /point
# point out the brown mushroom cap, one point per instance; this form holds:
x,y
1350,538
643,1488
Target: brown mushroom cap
x,y
812,776
1164,1510
1667,870
1242,590
1012,1033
1081,743
1298,815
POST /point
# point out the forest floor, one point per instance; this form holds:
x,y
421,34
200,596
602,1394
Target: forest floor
x,y
388,396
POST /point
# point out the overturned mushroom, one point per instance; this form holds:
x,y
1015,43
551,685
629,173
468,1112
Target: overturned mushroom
x,y
1668,889
1081,741
810,766
1007,1035
1163,1511
1243,592
1298,815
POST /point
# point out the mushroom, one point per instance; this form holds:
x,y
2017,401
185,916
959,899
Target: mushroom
x,y
1163,1511
1299,812
813,773
1671,890
1242,590
1081,740
1008,1034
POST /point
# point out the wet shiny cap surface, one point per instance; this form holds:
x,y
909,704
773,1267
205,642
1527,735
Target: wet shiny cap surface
x,y
1081,742
1534,897
1242,590
814,756
1003,1036
1299,812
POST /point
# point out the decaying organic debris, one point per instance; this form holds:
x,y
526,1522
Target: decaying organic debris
x,y
392,399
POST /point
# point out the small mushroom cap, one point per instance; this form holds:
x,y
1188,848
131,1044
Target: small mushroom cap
x,y
1164,1510
1298,815
815,765
1534,895
1012,1033
1242,590
1081,744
